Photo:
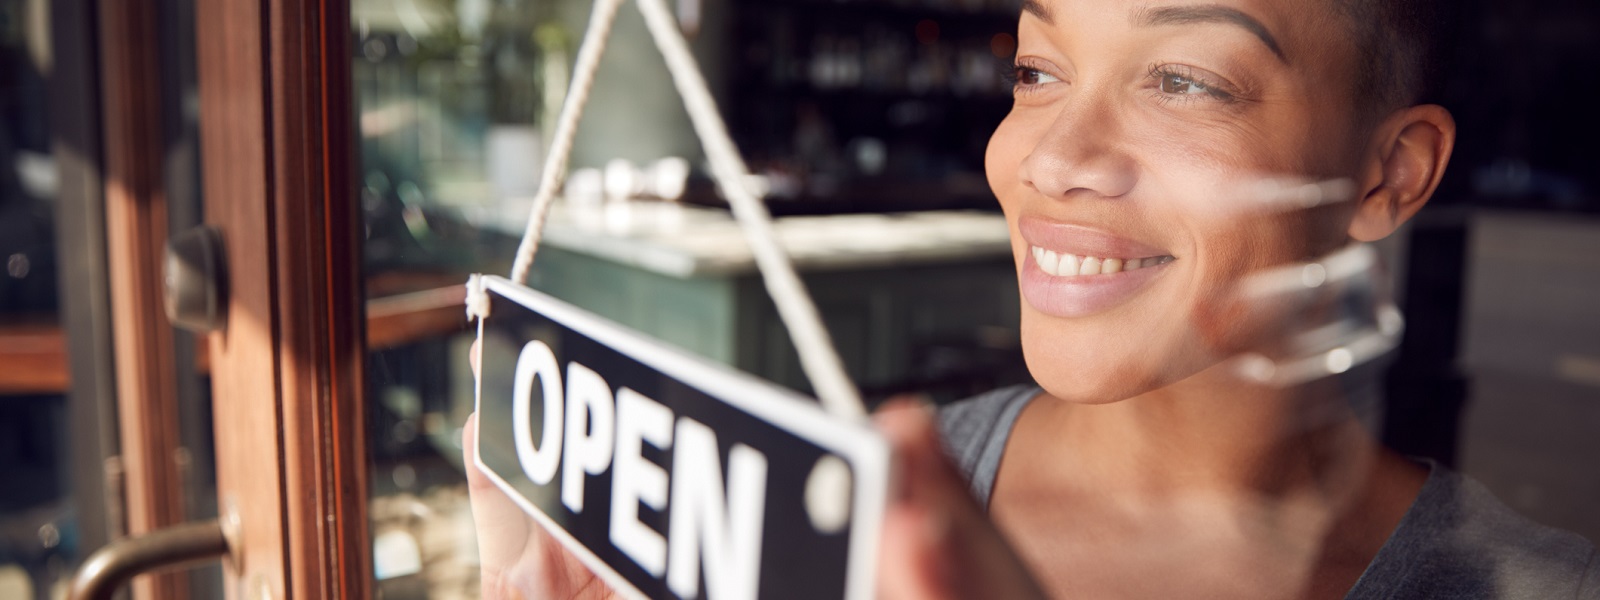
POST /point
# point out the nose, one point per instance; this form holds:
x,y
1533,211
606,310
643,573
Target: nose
x,y
1081,152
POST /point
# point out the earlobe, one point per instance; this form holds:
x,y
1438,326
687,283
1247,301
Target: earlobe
x,y
1414,149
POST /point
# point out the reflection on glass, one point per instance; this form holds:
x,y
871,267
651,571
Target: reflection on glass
x,y
450,103
37,531
1247,319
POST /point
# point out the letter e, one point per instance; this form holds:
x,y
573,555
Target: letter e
x,y
635,479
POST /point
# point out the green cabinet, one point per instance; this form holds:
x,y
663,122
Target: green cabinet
x,y
882,318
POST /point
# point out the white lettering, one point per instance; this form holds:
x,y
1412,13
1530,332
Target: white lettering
x,y
591,427
635,479
729,530
539,463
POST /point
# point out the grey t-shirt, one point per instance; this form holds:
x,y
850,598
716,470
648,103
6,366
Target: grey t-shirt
x,y
1456,541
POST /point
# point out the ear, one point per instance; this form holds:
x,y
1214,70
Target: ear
x,y
1408,157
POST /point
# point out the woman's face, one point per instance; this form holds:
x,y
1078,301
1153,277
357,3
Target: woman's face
x,y
1135,129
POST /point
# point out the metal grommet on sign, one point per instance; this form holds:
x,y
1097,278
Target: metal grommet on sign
x,y
828,494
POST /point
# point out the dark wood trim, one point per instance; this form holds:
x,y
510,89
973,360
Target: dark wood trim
x,y
399,320
318,247
276,133
136,234
35,356
230,59
392,322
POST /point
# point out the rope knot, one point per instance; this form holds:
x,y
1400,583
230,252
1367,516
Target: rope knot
x,y
477,299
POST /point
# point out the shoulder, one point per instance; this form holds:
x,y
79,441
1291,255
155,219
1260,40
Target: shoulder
x,y
1459,541
975,431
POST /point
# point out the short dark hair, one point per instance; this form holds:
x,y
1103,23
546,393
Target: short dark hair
x,y
1404,46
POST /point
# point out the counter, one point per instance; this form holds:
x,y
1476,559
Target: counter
x,y
686,241
908,298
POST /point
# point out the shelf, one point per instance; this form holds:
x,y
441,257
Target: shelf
x,y
35,354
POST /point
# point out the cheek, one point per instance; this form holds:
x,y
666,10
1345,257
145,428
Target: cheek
x,y
1285,140
1230,314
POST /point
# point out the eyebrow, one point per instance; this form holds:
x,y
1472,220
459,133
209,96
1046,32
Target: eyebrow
x,y
1186,15
1038,9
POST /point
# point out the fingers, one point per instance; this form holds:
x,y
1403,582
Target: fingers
x,y
475,356
503,529
937,542
517,558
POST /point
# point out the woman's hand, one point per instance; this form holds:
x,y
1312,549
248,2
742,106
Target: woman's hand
x,y
937,543
518,559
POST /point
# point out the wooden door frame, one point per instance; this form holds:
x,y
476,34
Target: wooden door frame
x,y
136,232
277,157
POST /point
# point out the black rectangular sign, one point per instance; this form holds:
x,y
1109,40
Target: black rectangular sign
x,y
668,475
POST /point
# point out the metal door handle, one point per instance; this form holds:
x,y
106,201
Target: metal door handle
x,y
196,280
109,568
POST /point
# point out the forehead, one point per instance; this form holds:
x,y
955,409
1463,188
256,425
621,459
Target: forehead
x,y
1311,29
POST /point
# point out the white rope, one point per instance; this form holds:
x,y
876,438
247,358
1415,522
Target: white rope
x,y
818,357
555,164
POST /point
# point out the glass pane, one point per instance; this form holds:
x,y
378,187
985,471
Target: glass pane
x,y
37,528
457,101
945,179
53,507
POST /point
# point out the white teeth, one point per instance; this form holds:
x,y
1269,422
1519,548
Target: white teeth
x,y
1048,262
1069,265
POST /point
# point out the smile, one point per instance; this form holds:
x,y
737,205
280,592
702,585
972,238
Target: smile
x,y
1072,270
1071,265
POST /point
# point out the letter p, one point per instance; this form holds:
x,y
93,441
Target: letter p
x,y
591,431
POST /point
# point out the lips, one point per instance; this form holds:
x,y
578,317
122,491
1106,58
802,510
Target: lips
x,y
1075,271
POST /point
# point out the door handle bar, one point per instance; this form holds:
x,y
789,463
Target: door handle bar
x,y
111,567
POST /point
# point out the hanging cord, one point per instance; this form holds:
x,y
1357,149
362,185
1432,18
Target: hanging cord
x,y
817,354
818,357
555,164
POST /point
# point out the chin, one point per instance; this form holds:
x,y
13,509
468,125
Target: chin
x,y
1075,377
1082,367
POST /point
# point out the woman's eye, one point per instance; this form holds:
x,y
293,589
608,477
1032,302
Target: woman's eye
x,y
1179,85
1027,76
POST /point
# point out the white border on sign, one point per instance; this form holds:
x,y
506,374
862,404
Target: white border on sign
x,y
865,449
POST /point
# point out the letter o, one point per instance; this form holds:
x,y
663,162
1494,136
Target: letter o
x,y
538,463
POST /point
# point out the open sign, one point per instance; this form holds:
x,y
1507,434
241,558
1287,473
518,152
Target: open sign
x,y
668,475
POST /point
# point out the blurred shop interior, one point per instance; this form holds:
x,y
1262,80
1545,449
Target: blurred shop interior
x,y
864,123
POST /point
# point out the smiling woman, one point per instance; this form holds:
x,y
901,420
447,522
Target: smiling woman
x,y
1146,463
1189,189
